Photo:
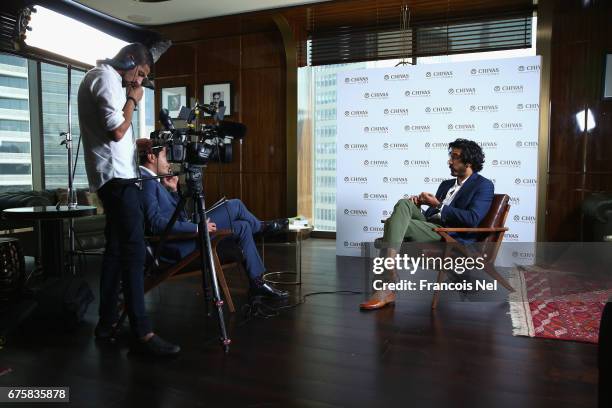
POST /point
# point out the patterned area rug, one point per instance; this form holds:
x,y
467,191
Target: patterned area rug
x,y
555,305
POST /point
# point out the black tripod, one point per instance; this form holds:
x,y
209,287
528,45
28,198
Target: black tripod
x,y
194,178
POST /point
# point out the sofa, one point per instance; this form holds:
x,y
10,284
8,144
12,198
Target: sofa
x,y
597,217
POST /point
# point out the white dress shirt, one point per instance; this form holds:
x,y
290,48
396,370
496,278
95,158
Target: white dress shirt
x,y
450,195
101,100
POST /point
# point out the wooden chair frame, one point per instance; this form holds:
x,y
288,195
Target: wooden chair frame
x,y
152,280
495,235
177,270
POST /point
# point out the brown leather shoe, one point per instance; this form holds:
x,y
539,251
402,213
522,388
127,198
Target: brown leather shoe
x,y
378,300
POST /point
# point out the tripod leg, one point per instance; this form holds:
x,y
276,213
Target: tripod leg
x,y
206,258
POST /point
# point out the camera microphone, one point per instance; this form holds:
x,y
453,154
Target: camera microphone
x,y
208,109
165,120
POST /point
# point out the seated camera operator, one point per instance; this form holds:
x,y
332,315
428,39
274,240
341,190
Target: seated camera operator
x,y
160,199
107,99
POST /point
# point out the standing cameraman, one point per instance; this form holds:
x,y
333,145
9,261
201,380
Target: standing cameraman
x,y
107,99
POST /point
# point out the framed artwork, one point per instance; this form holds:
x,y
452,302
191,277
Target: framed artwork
x,y
607,91
173,99
219,94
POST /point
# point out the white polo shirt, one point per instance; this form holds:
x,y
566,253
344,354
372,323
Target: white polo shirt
x,y
101,100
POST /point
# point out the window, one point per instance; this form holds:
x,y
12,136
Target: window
x,y
320,110
68,37
54,105
15,158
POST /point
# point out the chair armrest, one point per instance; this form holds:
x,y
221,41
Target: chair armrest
x,y
477,229
217,235
175,237
220,234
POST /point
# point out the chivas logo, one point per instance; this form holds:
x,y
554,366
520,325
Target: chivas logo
x,y
508,126
418,93
417,128
525,181
484,108
488,145
397,77
528,68
511,236
439,74
356,80
441,146
371,229
356,213
514,201
484,71
529,219
356,146
351,244
462,91
527,144
375,196
416,163
376,129
508,88
439,109
395,146
356,113
375,163
356,180
463,127
396,111
506,163
376,95
528,106
395,180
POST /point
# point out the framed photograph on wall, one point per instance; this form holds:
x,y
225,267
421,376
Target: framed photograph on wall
x,y
607,91
173,98
219,94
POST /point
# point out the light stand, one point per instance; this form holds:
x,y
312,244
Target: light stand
x,y
71,193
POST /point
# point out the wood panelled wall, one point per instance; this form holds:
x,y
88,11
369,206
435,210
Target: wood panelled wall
x,y
249,53
580,162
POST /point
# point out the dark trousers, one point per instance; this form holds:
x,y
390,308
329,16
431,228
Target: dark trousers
x,y
235,216
123,263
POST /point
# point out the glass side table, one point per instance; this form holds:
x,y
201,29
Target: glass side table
x,y
297,235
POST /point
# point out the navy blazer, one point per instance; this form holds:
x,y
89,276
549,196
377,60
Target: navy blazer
x,y
159,205
468,208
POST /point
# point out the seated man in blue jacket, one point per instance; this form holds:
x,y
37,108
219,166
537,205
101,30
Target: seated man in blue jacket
x,y
160,198
462,201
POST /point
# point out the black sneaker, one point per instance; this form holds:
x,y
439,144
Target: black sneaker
x,y
155,346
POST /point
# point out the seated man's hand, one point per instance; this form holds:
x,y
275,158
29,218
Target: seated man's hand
x,y
170,183
428,199
415,199
212,227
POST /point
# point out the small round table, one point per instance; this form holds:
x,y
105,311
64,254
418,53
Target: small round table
x,y
51,233
299,233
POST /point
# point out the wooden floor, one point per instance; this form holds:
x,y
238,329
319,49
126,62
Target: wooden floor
x,y
324,353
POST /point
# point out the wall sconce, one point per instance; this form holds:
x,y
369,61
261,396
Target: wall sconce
x,y
585,120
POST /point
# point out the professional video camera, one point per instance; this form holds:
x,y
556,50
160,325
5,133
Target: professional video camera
x,y
198,144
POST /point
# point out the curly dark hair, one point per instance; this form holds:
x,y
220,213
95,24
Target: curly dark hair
x,y
471,153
